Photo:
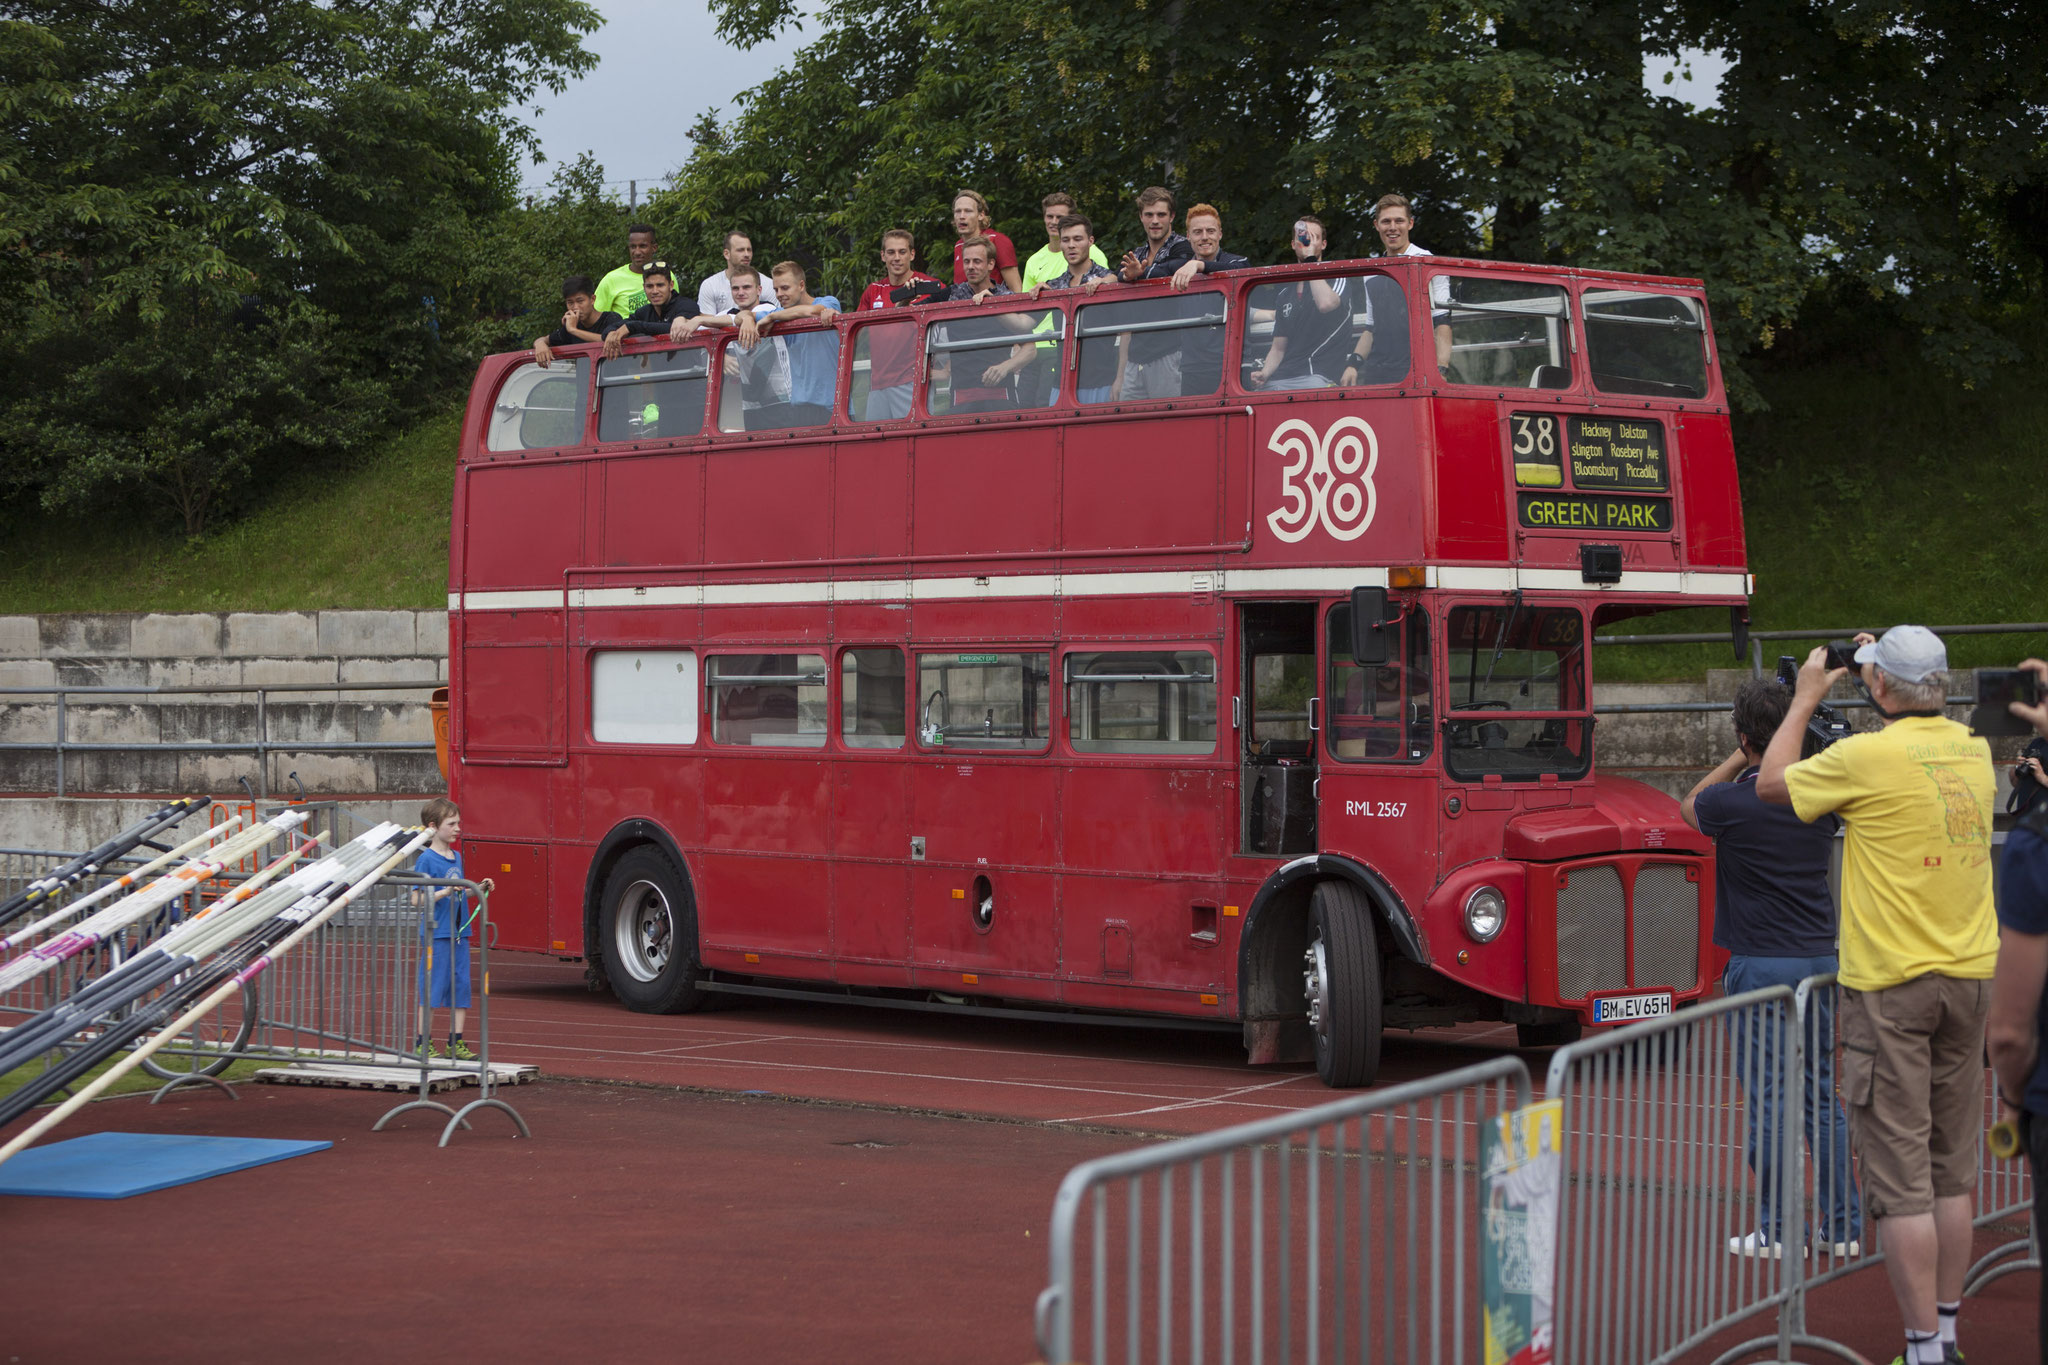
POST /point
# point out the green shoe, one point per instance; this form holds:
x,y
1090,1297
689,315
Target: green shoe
x,y
427,1049
460,1050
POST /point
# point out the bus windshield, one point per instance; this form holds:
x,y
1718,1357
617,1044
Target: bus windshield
x,y
1516,680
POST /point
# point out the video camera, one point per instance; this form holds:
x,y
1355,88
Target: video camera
x,y
1827,724
918,291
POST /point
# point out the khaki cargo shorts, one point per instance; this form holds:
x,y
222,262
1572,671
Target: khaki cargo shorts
x,y
1913,1081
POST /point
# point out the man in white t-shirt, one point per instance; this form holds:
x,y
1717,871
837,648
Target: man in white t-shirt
x,y
1393,217
715,294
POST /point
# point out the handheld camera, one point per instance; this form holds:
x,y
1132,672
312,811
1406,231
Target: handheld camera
x,y
1828,724
1841,654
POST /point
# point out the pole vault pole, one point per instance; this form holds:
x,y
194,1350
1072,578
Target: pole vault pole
x,y
66,875
71,909
211,1003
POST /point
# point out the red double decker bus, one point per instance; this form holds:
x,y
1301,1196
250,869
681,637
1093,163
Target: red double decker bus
x,y
1218,655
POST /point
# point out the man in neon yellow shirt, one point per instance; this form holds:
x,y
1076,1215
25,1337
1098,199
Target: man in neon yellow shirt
x,y
1919,941
620,292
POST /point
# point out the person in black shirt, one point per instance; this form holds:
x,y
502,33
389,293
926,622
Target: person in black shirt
x,y
665,314
1201,358
1775,914
580,320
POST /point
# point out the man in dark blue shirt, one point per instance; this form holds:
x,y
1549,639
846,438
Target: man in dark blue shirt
x,y
1774,913
2017,1029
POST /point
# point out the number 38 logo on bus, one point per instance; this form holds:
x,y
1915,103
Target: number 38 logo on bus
x,y
1327,478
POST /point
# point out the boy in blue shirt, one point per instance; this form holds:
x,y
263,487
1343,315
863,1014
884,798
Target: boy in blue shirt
x,y
446,936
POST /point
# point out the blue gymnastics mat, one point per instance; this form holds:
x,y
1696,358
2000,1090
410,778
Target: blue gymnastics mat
x,y
116,1165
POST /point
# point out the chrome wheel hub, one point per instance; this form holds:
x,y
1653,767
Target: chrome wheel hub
x,y
1315,982
646,931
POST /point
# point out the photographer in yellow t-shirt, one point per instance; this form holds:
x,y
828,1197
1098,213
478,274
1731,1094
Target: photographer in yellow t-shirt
x,y
1919,940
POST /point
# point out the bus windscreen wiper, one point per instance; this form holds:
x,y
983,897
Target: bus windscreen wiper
x,y
1500,640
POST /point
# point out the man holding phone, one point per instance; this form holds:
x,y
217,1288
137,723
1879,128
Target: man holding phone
x,y
2018,1029
1919,940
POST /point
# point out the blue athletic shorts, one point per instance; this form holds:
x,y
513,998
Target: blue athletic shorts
x,y
450,971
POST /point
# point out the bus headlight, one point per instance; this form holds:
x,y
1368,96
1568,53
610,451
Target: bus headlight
x,y
1486,914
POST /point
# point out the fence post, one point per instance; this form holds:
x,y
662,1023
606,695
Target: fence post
x,y
60,743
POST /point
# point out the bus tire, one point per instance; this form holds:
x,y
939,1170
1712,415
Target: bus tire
x,y
648,928
1558,1033
1345,994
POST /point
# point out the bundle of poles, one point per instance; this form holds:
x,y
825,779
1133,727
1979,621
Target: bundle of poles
x,y
192,969
52,885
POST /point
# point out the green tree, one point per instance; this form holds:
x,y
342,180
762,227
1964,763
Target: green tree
x,y
1898,149
212,208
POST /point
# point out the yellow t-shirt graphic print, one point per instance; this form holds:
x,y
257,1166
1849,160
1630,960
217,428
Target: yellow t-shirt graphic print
x,y
1916,797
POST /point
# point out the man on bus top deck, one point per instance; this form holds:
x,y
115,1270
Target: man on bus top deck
x,y
1919,943
1310,323
1098,375
1049,260
983,383
580,320
813,356
1201,356
1163,249
1393,217
714,295
761,365
892,351
665,313
620,291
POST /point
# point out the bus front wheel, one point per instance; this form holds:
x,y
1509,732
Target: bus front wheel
x,y
1342,975
649,930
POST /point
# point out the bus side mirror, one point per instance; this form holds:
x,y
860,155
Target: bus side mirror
x,y
1369,627
1738,631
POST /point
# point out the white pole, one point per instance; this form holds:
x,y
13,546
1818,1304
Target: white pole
x,y
209,1004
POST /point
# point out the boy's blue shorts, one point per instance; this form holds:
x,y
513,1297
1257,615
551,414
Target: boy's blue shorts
x,y
450,968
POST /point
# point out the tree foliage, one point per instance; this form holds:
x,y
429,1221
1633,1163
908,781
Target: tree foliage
x,y
231,232
1901,149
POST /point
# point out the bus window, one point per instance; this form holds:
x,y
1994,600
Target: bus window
x,y
767,700
1162,346
643,697
540,407
756,387
1162,702
984,701
884,367
652,393
980,363
1380,715
1281,687
1649,344
1305,334
1502,664
1504,333
871,698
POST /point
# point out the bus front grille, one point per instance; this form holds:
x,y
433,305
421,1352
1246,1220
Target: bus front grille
x,y
1667,927
1592,939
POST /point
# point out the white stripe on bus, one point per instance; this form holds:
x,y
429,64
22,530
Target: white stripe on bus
x,y
1132,584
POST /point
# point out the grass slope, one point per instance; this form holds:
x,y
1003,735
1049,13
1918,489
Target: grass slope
x,y
376,536
1875,490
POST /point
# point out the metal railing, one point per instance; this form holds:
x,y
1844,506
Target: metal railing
x,y
1348,1230
262,746
349,995
1756,651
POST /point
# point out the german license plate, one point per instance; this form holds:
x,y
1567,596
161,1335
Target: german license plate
x,y
1620,1009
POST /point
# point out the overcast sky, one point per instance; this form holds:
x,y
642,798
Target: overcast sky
x,y
629,111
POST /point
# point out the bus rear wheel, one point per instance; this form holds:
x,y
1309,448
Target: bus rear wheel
x,y
648,927
1342,976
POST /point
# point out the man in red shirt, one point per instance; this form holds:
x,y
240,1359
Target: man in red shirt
x,y
891,349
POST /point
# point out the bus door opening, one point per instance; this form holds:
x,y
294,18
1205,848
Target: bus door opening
x,y
1277,707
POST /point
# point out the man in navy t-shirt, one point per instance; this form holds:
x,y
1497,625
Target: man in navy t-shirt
x,y
2017,1029
1775,914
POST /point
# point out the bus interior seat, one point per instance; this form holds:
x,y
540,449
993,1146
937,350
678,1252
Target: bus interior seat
x,y
1550,377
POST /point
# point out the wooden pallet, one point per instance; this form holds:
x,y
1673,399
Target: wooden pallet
x,y
393,1078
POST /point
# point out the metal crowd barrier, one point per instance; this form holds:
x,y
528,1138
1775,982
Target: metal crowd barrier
x,y
1708,1167
348,995
1353,1229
